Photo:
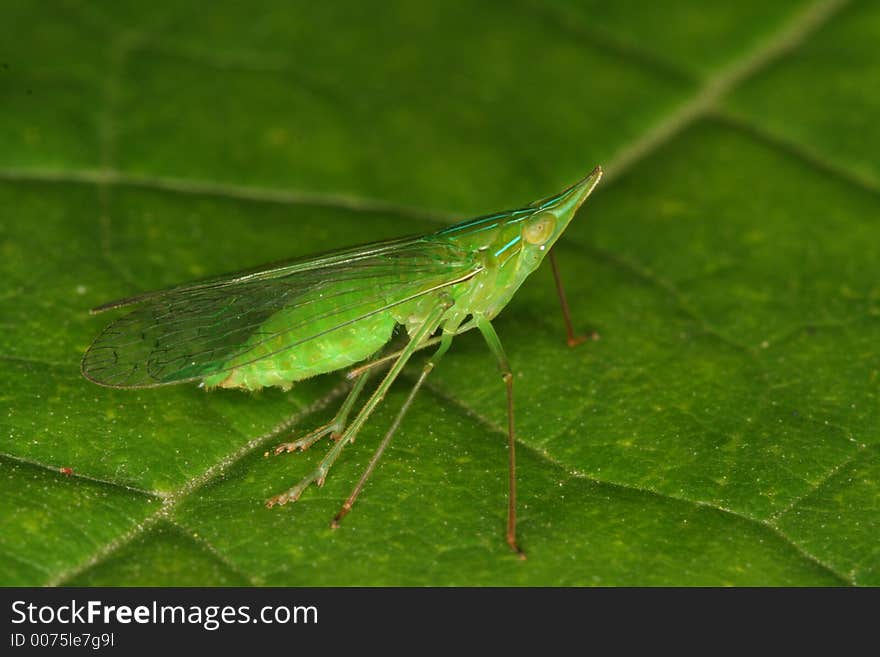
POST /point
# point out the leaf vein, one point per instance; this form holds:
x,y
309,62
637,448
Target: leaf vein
x,y
171,500
21,460
577,474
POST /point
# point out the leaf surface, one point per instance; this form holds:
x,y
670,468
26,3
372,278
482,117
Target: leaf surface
x,y
722,430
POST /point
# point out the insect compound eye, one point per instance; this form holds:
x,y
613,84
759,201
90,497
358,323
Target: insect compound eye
x,y
539,228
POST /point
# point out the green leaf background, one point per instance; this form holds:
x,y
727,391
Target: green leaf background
x,y
723,430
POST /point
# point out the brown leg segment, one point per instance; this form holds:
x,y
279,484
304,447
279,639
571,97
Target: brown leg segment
x,y
573,340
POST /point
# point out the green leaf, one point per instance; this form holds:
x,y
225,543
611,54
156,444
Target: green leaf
x,y
722,430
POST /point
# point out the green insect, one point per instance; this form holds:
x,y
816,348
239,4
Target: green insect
x,y
282,323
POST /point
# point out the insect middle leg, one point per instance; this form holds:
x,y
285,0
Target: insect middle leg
x,y
494,343
335,427
319,474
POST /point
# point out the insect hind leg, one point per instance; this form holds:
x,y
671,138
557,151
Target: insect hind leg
x,y
446,341
319,474
335,427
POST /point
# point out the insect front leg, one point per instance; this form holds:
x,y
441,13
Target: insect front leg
x,y
319,474
572,339
335,427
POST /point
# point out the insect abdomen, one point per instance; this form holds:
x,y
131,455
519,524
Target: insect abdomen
x,y
287,357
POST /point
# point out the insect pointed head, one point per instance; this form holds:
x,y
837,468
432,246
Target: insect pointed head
x,y
510,245
553,214
516,241
532,231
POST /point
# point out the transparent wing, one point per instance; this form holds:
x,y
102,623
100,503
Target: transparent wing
x,y
189,332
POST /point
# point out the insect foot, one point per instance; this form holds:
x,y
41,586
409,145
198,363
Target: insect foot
x,y
334,524
292,495
333,429
516,548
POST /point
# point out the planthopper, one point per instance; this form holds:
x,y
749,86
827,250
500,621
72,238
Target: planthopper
x,y
282,323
